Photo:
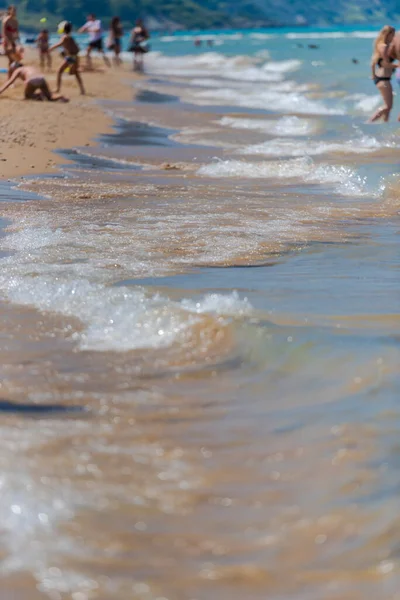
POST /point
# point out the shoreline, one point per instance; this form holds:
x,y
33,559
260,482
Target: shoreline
x,y
225,347
37,130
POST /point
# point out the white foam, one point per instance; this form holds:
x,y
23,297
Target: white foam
x,y
368,35
114,318
269,170
274,98
364,102
242,68
261,36
223,305
205,82
286,126
267,36
302,169
117,318
215,37
109,159
286,147
169,38
315,35
282,66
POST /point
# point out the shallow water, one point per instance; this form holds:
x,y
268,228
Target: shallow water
x,y
220,331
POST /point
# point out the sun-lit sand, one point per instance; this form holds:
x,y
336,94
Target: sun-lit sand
x,y
31,131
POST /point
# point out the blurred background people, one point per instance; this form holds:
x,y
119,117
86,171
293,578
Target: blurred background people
x,y
139,44
114,39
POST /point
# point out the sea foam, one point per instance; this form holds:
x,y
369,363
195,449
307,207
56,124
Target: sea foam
x,y
286,126
287,147
342,179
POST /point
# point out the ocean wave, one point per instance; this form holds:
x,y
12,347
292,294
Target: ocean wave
x,y
364,103
348,182
70,269
100,161
315,35
286,126
206,82
286,147
293,35
213,64
282,66
114,318
202,36
262,36
368,35
284,100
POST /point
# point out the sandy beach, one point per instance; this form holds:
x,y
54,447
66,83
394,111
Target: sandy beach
x,y
28,126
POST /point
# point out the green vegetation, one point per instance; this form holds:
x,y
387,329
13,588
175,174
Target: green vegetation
x,y
164,14
203,14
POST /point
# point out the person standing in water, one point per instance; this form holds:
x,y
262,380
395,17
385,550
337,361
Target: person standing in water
x,y
42,43
114,39
95,30
138,46
382,66
71,57
10,35
394,53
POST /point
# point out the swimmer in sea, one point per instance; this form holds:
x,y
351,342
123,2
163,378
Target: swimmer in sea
x,y
382,67
71,57
36,86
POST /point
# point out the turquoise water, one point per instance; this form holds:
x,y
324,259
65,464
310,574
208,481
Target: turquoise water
x,y
330,63
336,49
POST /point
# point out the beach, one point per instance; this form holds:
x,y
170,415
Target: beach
x,y
27,126
199,329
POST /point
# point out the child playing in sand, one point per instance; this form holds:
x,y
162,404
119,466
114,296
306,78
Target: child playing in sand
x,y
71,57
42,43
36,86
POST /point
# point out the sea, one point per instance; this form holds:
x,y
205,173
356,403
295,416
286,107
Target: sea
x,y
200,335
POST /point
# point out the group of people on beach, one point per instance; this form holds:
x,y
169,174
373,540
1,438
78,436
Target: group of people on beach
x,y
385,57
36,86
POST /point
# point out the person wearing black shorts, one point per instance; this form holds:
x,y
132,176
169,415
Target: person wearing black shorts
x,y
97,45
95,31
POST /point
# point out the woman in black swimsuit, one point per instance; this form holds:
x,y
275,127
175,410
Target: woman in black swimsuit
x,y
382,70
